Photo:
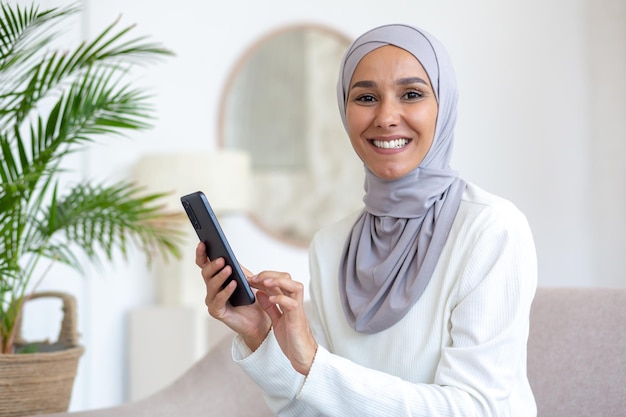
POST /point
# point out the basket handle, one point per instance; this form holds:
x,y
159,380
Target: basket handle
x,y
68,335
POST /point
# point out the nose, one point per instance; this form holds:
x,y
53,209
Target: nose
x,y
387,114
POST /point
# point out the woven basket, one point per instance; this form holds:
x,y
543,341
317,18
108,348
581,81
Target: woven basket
x,y
39,383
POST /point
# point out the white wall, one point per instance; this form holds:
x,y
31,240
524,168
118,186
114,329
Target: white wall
x,y
606,143
540,122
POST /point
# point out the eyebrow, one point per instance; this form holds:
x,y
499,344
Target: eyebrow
x,y
412,80
401,81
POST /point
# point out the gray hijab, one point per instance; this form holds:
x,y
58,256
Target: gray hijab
x,y
395,244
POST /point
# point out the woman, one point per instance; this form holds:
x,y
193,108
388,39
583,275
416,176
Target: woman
x,y
420,303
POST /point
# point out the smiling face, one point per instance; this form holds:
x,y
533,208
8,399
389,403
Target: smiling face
x,y
391,112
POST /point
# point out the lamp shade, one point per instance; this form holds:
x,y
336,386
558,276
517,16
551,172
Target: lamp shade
x,y
223,175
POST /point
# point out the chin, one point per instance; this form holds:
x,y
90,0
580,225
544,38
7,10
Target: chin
x,y
392,173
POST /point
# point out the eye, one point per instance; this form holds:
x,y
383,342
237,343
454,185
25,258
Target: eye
x,y
413,95
365,98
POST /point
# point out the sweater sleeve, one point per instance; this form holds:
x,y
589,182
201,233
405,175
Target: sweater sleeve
x,y
271,370
478,372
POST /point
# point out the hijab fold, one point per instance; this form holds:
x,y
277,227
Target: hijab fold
x,y
395,244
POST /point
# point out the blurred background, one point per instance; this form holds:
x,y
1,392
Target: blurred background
x,y
541,121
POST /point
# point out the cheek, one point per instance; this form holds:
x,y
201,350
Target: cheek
x,y
432,117
354,134
357,119
425,122
357,143
433,120
354,124
350,127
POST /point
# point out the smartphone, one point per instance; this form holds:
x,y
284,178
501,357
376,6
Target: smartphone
x,y
209,231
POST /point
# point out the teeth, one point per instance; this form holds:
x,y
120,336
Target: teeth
x,y
391,144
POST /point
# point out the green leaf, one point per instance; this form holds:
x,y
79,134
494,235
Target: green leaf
x,y
53,103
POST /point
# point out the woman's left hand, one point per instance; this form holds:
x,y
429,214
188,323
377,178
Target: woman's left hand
x,y
283,300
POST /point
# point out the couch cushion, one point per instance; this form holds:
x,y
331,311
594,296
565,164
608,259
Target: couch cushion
x,y
577,352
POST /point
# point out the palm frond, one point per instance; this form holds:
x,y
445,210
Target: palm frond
x,y
94,105
25,33
21,36
100,219
53,103
41,77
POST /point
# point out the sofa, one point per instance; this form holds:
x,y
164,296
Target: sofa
x,y
576,366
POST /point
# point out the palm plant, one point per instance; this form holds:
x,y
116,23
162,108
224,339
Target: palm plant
x,y
52,104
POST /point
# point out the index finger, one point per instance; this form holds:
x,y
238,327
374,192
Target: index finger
x,y
278,282
246,271
201,256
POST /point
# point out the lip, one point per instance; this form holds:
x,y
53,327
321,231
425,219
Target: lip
x,y
389,139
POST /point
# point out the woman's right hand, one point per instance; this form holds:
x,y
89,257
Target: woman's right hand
x,y
250,321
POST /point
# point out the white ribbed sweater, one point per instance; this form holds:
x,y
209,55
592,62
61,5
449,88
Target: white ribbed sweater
x,y
460,351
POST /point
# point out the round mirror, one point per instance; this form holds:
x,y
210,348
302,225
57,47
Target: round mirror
x,y
280,106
